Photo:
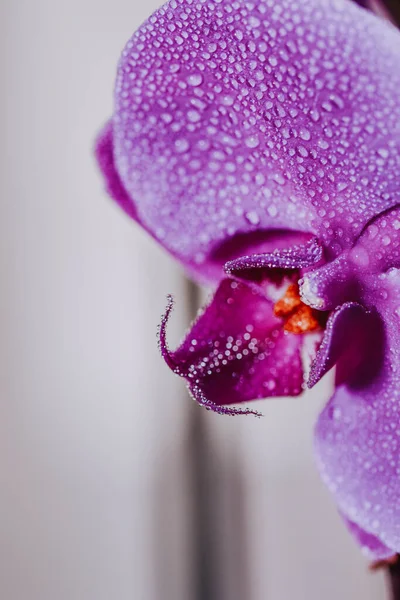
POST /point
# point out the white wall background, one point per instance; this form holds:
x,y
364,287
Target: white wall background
x,y
95,434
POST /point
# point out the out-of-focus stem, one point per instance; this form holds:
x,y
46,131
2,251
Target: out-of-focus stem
x,y
393,7
205,560
389,9
394,579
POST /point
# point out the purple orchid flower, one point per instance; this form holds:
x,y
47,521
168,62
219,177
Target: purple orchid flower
x,y
259,142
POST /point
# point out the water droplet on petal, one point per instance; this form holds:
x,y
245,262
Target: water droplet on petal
x,y
253,217
383,152
305,134
193,116
195,79
181,145
252,141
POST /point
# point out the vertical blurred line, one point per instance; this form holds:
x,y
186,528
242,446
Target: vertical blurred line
x,y
388,9
394,581
200,472
393,8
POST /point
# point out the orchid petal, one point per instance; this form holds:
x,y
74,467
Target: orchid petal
x,y
236,351
236,118
296,257
352,341
343,279
371,546
378,248
105,157
357,437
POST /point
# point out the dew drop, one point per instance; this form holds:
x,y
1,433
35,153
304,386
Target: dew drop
x,y
305,134
195,79
383,152
272,210
302,151
252,141
227,100
315,116
279,179
252,217
193,116
360,257
181,145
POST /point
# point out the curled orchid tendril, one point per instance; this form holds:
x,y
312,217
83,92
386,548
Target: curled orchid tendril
x,y
162,334
200,398
194,390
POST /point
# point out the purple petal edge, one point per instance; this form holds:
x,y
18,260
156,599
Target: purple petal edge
x,y
297,257
104,151
200,398
372,547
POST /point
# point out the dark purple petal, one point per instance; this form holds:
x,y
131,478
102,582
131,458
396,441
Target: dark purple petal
x,y
236,351
296,257
371,546
352,341
358,433
235,118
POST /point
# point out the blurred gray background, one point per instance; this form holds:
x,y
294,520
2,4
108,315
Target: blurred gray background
x,y
113,484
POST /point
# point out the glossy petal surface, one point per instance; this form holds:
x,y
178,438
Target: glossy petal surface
x,y
378,248
236,350
296,257
240,117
